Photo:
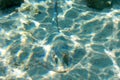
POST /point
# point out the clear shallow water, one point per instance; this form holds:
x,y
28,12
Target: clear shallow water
x,y
85,47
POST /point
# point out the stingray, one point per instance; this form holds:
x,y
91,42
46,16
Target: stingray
x,y
55,15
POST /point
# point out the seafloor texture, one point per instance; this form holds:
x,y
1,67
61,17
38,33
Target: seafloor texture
x,y
63,40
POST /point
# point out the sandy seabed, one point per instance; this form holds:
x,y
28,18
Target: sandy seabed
x,y
77,43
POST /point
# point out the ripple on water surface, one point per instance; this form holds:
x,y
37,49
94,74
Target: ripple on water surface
x,y
83,46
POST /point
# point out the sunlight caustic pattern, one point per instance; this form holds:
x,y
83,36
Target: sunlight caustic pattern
x,y
86,47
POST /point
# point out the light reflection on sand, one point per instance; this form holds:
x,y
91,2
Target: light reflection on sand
x,y
87,46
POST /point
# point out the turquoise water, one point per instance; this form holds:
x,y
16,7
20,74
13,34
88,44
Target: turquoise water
x,y
42,41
